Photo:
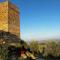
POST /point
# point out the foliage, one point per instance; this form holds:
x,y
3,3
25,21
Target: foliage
x,y
50,48
34,46
53,48
4,52
6,38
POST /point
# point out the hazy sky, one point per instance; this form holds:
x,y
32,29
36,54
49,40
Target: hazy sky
x,y
39,18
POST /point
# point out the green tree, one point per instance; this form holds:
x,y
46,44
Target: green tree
x,y
34,46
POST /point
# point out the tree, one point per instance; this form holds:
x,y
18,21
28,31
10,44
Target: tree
x,y
34,46
53,48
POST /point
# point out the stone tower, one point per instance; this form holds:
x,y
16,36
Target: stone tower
x,y
9,18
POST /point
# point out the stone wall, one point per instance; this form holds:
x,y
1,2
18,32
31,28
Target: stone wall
x,y
9,18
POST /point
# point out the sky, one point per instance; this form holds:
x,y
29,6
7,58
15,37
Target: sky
x,y
39,19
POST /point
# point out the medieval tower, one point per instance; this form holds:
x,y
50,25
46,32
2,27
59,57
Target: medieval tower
x,y
9,18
